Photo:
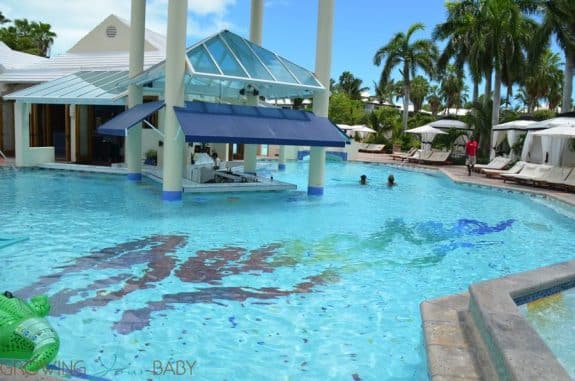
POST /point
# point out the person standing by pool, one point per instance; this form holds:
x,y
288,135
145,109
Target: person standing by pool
x,y
471,152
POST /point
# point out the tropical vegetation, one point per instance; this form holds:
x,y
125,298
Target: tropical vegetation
x,y
31,37
502,44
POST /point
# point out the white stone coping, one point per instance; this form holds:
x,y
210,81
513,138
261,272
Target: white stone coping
x,y
516,350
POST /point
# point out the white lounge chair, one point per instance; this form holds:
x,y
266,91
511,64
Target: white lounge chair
x,y
555,177
529,173
404,155
569,181
420,156
499,162
372,148
518,166
437,157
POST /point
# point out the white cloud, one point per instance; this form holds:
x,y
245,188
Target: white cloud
x,y
71,20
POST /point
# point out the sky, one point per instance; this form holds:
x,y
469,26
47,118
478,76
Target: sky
x,y
289,26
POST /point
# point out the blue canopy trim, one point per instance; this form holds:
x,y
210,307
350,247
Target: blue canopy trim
x,y
205,122
119,124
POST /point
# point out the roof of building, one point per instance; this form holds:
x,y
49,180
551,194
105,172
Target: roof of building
x,y
223,66
85,87
226,65
95,51
12,59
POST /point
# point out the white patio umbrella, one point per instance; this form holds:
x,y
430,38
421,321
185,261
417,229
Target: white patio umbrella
x,y
346,128
449,124
362,130
427,133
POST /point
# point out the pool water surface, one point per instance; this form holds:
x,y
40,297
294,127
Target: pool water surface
x,y
268,286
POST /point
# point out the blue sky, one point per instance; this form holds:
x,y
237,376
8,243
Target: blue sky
x,y
289,26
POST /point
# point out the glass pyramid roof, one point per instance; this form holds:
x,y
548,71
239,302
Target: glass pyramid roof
x,y
225,64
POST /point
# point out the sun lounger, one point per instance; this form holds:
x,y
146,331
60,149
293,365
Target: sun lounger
x,y
555,177
420,156
569,181
518,166
372,148
404,155
529,173
499,162
437,157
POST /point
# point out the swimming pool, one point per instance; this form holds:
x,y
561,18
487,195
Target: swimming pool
x,y
269,286
553,317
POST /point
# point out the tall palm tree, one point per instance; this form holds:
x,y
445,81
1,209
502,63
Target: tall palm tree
x,y
463,29
506,37
559,20
543,79
409,56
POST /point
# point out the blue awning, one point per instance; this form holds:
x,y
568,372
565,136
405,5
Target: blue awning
x,y
118,125
204,122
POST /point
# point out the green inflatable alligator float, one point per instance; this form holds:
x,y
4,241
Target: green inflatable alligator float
x,y
24,333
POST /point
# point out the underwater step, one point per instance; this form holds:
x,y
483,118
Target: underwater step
x,y
10,240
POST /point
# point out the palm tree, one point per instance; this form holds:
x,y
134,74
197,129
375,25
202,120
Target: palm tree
x,y
350,85
506,37
543,79
452,87
44,36
410,56
480,118
434,100
463,30
558,16
418,92
525,99
3,20
30,37
384,91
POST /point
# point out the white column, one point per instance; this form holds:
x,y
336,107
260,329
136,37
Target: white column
x,y
321,100
174,93
73,136
256,17
251,150
282,158
133,142
256,21
22,132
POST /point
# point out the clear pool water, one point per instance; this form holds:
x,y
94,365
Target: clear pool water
x,y
269,286
553,317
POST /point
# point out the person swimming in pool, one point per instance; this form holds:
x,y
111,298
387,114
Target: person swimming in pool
x,y
363,180
391,181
